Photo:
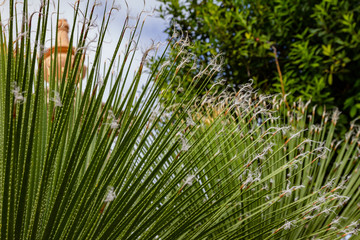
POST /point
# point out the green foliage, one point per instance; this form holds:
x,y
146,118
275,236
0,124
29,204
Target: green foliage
x,y
74,167
285,165
317,42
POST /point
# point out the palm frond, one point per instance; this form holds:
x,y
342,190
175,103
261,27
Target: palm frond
x,y
228,166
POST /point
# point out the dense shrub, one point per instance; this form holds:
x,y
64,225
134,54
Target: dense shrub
x,y
317,45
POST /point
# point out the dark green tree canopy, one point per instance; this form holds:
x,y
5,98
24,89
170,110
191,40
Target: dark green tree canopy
x,y
317,45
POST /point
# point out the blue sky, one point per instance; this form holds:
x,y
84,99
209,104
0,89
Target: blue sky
x,y
153,29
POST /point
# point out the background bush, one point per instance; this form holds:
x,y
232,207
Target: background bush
x,y
317,43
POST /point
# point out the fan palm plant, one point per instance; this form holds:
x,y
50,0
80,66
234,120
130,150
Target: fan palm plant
x,y
228,166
